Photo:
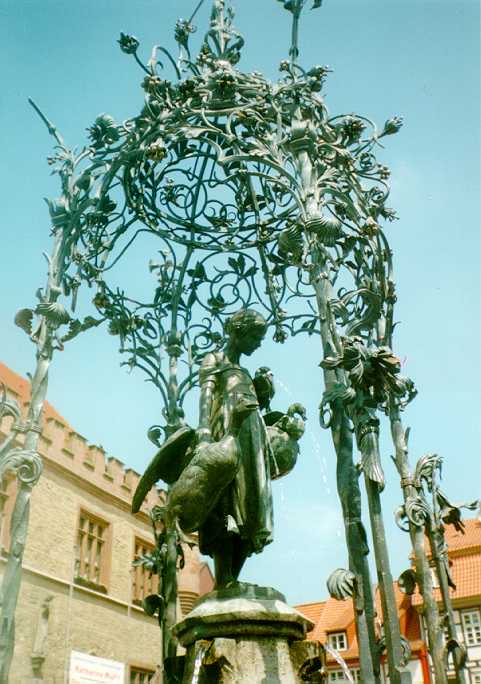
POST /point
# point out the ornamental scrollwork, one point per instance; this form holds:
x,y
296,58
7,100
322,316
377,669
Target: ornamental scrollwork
x,y
156,562
425,470
246,193
25,463
417,511
9,407
219,128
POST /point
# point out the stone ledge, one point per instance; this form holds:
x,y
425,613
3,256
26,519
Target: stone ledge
x,y
242,611
77,588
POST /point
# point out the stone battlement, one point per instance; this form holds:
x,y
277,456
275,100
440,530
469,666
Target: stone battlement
x,y
69,449
62,446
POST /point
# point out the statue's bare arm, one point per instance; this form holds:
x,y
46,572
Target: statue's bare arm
x,y
207,389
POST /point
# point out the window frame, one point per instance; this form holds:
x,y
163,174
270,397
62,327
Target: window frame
x,y
353,670
335,636
140,670
475,629
105,556
139,572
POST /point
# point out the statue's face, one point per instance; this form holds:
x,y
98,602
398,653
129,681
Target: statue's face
x,y
250,340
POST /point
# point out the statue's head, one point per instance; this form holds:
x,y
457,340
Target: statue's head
x,y
246,329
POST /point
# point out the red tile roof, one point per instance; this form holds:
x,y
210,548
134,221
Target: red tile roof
x,y
465,556
312,611
469,541
338,616
464,551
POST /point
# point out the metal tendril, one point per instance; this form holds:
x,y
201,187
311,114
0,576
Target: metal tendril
x,y
199,5
251,189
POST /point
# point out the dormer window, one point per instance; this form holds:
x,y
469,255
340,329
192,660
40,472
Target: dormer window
x,y
338,641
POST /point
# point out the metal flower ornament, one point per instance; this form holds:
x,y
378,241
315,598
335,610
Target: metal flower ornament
x,y
247,193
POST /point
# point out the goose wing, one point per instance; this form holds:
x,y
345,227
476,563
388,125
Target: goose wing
x,y
167,464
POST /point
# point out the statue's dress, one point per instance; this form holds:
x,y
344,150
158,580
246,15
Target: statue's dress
x,y
245,507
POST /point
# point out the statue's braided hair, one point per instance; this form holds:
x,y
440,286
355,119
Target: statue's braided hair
x,y
243,320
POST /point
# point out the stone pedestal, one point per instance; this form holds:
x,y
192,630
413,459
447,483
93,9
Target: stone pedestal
x,y
247,634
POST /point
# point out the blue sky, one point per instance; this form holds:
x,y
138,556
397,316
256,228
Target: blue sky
x,y
415,58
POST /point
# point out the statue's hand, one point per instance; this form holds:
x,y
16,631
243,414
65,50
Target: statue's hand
x,y
203,435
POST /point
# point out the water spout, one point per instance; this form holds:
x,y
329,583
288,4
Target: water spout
x,y
347,673
201,651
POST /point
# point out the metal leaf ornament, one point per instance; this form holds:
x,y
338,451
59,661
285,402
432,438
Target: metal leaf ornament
x,y
152,561
336,392
425,468
9,407
297,5
341,584
405,647
54,312
457,651
290,243
76,327
328,229
451,513
128,44
155,434
152,604
23,319
399,516
374,370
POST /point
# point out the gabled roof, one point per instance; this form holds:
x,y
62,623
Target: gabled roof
x,y
312,611
338,616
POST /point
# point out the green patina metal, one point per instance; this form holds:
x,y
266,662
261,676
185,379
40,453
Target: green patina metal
x,y
249,194
49,326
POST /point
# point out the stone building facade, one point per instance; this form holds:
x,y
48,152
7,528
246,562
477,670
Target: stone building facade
x,y
334,620
80,592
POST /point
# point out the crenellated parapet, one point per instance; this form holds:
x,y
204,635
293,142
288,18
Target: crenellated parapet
x,y
63,447
68,449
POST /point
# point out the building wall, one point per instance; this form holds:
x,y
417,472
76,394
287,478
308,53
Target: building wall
x,y
55,614
79,618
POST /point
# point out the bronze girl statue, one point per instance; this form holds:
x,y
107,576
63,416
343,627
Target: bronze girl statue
x,y
223,487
